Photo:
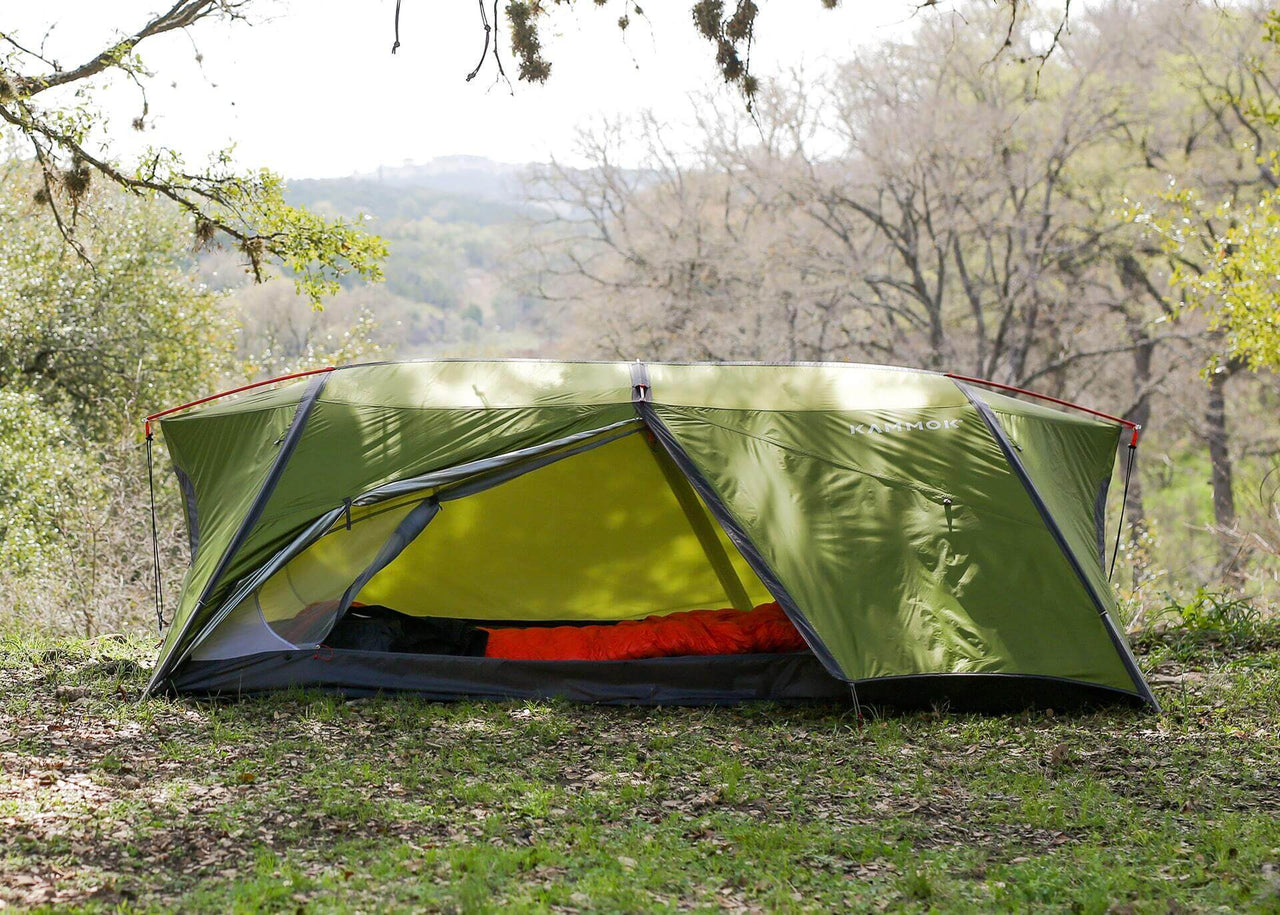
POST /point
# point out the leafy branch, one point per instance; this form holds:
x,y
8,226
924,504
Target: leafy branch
x,y
1224,252
247,209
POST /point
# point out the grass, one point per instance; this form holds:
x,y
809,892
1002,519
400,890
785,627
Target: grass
x,y
300,802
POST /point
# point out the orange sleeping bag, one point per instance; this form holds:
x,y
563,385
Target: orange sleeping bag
x,y
764,629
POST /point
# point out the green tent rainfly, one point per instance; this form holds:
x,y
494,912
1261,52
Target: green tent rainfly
x,y
932,541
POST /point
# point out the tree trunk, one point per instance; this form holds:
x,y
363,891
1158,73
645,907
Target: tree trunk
x,y
1224,503
1138,285
1135,509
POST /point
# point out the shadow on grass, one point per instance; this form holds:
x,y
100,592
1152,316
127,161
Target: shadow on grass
x,y
300,800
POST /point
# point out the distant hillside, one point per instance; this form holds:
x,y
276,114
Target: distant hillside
x,y
388,202
450,225
468,176
449,189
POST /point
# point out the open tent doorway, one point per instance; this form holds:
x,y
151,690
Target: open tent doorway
x,y
609,534
541,555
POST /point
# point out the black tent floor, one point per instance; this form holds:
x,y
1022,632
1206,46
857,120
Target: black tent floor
x,y
701,680
992,693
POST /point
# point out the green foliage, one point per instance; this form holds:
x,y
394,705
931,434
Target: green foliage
x,y
1224,245
1226,260
105,340
221,202
317,251
1208,610
44,474
1208,619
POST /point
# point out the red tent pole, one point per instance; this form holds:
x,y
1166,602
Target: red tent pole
x,y
243,387
1127,423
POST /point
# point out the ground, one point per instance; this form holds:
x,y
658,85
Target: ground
x,y
312,803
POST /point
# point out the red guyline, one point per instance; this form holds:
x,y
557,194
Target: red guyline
x,y
243,387
1127,423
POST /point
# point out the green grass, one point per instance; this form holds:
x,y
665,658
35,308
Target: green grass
x,y
310,803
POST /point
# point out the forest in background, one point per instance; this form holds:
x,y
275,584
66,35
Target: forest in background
x,y
937,202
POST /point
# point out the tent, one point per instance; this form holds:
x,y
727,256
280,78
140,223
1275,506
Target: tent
x,y
931,540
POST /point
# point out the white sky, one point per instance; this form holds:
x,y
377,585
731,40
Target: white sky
x,y
312,90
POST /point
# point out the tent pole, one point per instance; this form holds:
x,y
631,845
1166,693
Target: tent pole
x,y
686,496
702,527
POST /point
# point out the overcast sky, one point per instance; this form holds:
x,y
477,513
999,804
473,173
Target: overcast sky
x,y
312,90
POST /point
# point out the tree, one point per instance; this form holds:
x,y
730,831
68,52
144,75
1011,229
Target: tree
x,y
1227,263
671,259
88,347
943,228
1216,222
246,208
43,470
279,334
103,340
